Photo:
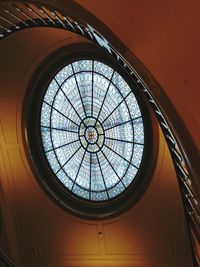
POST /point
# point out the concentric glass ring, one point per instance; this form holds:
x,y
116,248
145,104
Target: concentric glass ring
x,y
92,130
91,134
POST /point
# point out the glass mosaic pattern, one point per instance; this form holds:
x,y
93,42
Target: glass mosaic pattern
x,y
92,130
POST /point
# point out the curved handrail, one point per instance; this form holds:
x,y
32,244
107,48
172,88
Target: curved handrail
x,y
5,261
26,14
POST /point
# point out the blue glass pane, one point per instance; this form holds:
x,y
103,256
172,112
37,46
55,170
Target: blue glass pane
x,y
130,175
103,69
64,179
64,74
81,192
138,131
121,84
119,188
46,138
99,196
53,161
51,92
137,156
45,115
82,65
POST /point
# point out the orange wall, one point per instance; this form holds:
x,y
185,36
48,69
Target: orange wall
x,y
40,234
164,35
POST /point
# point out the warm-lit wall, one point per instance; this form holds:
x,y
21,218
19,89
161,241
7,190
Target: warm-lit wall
x,y
41,234
164,36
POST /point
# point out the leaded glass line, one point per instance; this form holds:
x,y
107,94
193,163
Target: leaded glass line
x,y
102,175
125,141
68,100
58,129
106,129
90,174
112,168
105,96
79,169
92,88
61,113
79,90
69,159
121,156
115,108
62,146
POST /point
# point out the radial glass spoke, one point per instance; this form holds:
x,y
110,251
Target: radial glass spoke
x,y
111,165
129,121
62,114
61,146
105,96
119,140
79,90
121,156
69,101
90,173
79,168
61,167
102,175
125,141
92,88
115,108
58,129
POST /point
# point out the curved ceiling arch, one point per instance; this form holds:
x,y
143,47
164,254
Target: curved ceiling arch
x,y
27,14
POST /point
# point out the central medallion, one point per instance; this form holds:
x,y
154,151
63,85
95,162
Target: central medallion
x,y
91,134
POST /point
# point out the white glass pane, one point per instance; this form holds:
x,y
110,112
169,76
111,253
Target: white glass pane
x,y
64,74
82,65
51,92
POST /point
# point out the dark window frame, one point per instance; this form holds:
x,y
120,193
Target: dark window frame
x,y
34,150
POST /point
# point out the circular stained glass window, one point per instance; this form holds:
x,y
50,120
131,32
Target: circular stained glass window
x,y
92,130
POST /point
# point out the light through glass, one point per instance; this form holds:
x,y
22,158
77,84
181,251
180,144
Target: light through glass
x,y
92,130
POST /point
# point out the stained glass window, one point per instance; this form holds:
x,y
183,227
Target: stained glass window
x,y
92,130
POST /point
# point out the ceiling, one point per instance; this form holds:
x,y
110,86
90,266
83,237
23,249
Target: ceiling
x,y
164,36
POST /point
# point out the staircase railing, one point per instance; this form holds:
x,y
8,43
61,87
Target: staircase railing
x,y
5,261
19,15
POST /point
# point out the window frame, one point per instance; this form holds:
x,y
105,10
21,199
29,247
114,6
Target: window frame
x,y
34,149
